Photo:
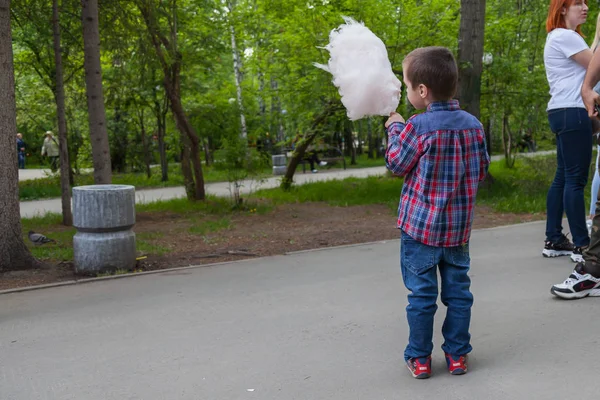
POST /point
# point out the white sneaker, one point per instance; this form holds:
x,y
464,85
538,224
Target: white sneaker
x,y
323,163
577,285
314,171
577,255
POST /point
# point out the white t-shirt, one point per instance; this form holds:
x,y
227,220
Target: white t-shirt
x,y
564,74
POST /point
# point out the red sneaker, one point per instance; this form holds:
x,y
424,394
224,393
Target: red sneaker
x,y
420,368
457,366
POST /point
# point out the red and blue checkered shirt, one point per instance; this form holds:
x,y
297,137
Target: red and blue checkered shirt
x,y
443,156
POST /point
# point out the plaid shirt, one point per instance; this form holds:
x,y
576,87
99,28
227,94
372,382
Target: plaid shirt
x,y
443,155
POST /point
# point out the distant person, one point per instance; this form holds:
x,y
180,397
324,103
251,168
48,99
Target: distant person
x,y
311,156
566,57
442,155
21,150
50,150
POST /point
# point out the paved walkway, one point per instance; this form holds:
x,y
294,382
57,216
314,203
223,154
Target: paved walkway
x,y
40,207
327,324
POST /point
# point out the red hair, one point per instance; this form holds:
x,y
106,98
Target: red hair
x,y
555,18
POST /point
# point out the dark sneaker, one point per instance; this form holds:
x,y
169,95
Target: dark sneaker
x,y
577,255
457,365
578,285
556,249
420,368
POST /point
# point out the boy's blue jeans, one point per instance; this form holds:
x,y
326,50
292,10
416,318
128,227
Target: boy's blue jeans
x,y
418,262
573,130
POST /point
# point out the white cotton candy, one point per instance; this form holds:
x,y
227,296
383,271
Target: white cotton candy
x,y
361,71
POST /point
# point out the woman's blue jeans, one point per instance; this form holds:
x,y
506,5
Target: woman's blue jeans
x,y
573,130
419,264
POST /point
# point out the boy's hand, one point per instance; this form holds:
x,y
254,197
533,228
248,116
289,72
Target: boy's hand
x,y
394,117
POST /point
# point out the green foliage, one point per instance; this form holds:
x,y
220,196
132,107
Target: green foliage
x,y
281,90
239,163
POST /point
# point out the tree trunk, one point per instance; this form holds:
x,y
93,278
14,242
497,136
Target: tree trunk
x,y
160,112
370,140
162,151
171,65
186,168
237,70
65,165
276,124
14,254
183,125
328,110
95,97
507,139
470,54
145,144
488,136
350,148
207,158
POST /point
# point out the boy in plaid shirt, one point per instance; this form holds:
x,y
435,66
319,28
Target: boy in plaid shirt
x,y
442,155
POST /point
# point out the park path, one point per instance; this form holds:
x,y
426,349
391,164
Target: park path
x,y
325,324
40,207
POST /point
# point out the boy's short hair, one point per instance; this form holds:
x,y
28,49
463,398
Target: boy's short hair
x,y
434,67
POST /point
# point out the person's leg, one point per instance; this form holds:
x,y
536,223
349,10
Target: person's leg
x,y
591,256
554,199
21,160
457,297
53,164
418,263
576,143
595,186
312,158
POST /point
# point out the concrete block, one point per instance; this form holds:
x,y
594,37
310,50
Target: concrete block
x,y
104,216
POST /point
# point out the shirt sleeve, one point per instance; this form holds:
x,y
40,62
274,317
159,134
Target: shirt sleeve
x,y
570,43
404,148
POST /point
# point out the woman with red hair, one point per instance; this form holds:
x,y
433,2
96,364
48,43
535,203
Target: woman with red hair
x,y
566,57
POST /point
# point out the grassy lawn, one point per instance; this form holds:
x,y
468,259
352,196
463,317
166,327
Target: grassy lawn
x,y
49,187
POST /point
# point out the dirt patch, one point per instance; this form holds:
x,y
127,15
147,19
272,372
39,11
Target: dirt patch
x,y
287,228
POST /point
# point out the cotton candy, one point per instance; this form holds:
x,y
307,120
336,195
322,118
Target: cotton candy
x,y
361,71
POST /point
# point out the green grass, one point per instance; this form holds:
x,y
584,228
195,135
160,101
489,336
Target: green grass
x,y
347,192
50,226
49,187
204,227
523,189
211,206
363,161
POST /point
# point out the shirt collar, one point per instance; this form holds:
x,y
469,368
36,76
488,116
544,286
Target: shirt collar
x,y
450,105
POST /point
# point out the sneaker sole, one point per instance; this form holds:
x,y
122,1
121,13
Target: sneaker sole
x,y
576,295
458,372
424,375
576,258
556,253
